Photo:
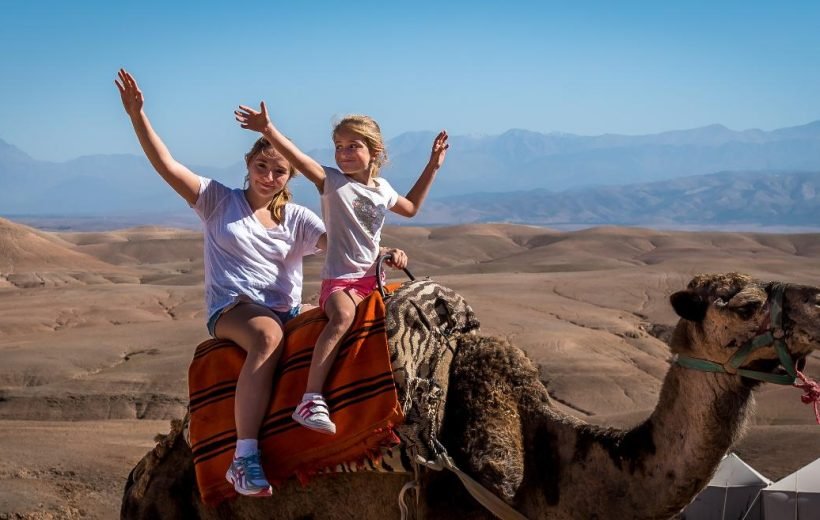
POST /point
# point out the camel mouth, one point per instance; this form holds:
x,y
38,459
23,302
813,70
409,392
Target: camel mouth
x,y
773,366
809,340
777,373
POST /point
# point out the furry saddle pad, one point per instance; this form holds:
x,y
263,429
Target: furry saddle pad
x,y
359,390
424,321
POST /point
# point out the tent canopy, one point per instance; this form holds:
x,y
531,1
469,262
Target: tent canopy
x,y
804,480
732,494
733,472
795,497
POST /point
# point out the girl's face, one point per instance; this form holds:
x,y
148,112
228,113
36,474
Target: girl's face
x,y
352,154
267,176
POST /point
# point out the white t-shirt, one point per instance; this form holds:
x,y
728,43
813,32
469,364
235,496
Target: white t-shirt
x,y
354,214
243,259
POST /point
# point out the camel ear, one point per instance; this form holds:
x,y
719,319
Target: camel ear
x,y
689,305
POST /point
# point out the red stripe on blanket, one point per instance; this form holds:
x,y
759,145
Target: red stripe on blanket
x,y
360,392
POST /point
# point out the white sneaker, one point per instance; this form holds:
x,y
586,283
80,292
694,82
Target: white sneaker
x,y
314,415
247,477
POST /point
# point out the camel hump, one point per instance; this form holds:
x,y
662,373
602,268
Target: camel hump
x,y
423,321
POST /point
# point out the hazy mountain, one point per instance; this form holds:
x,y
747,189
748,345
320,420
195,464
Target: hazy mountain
x,y
516,160
97,185
519,159
10,155
784,199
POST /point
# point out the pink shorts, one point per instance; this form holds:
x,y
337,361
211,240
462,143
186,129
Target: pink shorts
x,y
362,287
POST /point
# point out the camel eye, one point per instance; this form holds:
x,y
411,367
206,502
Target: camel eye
x,y
747,310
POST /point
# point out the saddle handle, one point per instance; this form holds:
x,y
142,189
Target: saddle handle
x,y
380,273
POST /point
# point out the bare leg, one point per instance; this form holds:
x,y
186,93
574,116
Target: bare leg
x,y
340,308
258,331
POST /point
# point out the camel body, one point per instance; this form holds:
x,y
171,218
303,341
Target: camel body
x,y
501,427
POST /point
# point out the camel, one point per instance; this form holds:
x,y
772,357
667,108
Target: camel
x,y
500,427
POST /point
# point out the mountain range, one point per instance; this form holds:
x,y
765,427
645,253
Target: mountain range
x,y
763,178
728,200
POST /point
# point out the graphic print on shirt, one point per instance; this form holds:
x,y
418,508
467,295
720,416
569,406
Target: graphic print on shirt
x,y
368,214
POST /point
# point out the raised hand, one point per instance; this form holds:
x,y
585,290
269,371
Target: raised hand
x,y
251,119
259,121
180,178
439,151
129,92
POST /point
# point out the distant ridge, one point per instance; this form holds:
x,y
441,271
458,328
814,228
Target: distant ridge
x,y
763,199
515,161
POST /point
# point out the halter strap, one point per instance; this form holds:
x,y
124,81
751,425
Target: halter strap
x,y
771,336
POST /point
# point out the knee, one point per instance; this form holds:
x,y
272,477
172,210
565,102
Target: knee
x,y
266,342
341,319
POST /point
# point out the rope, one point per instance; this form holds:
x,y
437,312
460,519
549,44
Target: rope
x,y
725,498
811,395
752,505
483,496
415,486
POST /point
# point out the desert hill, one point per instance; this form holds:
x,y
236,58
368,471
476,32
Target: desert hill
x,y
30,258
109,351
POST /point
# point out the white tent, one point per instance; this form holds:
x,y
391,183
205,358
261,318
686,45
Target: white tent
x,y
732,494
796,497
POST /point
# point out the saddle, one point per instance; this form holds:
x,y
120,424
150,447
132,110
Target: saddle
x,y
388,386
424,320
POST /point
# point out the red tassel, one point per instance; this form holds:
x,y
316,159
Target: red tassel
x,y
811,395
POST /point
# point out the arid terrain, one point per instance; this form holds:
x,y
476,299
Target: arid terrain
x,y
97,330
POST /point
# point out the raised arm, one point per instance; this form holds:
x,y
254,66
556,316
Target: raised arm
x,y
410,205
260,122
180,178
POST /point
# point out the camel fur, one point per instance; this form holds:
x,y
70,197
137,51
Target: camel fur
x,y
501,427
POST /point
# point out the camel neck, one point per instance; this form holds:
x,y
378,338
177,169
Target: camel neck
x,y
651,470
698,417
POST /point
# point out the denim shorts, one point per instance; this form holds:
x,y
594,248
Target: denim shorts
x,y
284,316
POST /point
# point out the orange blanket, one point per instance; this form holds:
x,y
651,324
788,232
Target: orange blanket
x,y
360,392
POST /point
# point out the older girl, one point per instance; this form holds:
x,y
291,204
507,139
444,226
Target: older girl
x,y
254,243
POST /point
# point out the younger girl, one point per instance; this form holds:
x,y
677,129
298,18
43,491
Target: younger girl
x,y
254,243
354,202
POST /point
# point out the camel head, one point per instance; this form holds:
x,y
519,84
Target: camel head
x,y
736,324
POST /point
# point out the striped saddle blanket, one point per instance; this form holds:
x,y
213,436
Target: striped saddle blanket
x,y
360,392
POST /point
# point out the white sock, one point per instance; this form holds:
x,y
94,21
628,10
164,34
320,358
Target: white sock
x,y
246,447
312,397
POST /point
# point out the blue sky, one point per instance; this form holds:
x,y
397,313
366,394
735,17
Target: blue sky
x,y
470,67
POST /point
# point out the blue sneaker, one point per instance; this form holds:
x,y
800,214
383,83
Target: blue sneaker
x,y
247,476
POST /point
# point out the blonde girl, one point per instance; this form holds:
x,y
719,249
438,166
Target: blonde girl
x,y
354,203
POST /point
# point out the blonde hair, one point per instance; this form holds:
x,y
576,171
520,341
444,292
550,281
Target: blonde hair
x,y
262,146
368,129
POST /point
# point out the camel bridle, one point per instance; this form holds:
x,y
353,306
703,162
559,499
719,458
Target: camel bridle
x,y
768,336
